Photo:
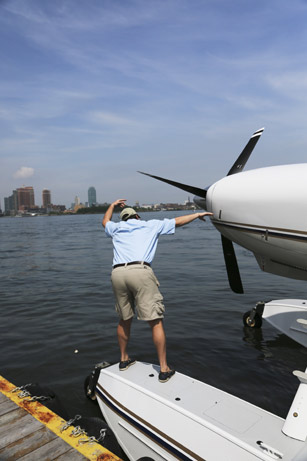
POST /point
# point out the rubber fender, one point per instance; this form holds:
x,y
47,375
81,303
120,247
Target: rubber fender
x,y
91,380
52,402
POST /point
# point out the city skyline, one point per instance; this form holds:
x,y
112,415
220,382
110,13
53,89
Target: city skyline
x,y
92,92
46,197
23,198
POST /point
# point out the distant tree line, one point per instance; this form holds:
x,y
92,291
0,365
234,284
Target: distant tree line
x,y
103,208
93,209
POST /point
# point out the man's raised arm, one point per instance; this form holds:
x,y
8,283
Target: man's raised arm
x,y
109,213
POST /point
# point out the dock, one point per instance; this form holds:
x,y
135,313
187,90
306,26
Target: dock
x,y
29,431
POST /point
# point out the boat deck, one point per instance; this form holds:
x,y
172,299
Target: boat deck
x,y
220,425
31,432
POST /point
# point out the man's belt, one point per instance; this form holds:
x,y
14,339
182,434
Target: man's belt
x,y
131,263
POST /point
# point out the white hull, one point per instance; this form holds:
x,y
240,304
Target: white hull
x,y
186,419
289,316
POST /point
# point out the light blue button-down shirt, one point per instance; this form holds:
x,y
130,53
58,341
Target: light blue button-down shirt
x,y
136,240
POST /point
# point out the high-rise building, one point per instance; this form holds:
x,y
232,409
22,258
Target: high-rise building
x,y
25,197
11,202
46,198
92,196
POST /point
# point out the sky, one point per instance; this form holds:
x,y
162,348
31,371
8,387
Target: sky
x,y
92,92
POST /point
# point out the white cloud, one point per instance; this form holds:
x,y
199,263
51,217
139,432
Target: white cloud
x,y
24,172
106,118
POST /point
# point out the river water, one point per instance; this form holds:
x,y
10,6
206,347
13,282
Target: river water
x,y
56,299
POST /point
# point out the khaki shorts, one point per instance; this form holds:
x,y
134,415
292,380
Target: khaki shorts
x,y
136,286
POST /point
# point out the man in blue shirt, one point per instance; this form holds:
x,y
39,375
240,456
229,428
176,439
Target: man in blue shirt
x,y
133,280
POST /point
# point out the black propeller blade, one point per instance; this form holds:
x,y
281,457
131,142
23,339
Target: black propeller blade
x,y
232,266
191,189
228,249
240,163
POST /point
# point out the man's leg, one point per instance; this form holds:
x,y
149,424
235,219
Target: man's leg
x,y
159,339
123,335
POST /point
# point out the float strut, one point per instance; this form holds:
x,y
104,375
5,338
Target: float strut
x,y
296,422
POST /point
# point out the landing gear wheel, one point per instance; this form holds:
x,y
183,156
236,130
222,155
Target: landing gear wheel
x,y
252,320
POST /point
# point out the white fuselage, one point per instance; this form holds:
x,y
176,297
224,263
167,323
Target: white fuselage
x,y
265,211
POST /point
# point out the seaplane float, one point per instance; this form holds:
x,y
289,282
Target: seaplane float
x,y
263,210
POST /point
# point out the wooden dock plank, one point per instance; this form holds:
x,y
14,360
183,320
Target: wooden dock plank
x,y
2,397
71,455
24,438
26,445
20,444
18,429
48,452
7,406
31,432
12,416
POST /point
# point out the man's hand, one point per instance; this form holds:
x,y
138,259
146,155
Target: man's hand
x,y
120,202
108,214
202,215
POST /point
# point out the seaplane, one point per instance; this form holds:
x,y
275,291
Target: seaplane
x,y
262,210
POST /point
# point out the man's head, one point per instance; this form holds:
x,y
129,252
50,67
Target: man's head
x,y
128,213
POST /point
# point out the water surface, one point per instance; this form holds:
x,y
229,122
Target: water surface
x,y
56,298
